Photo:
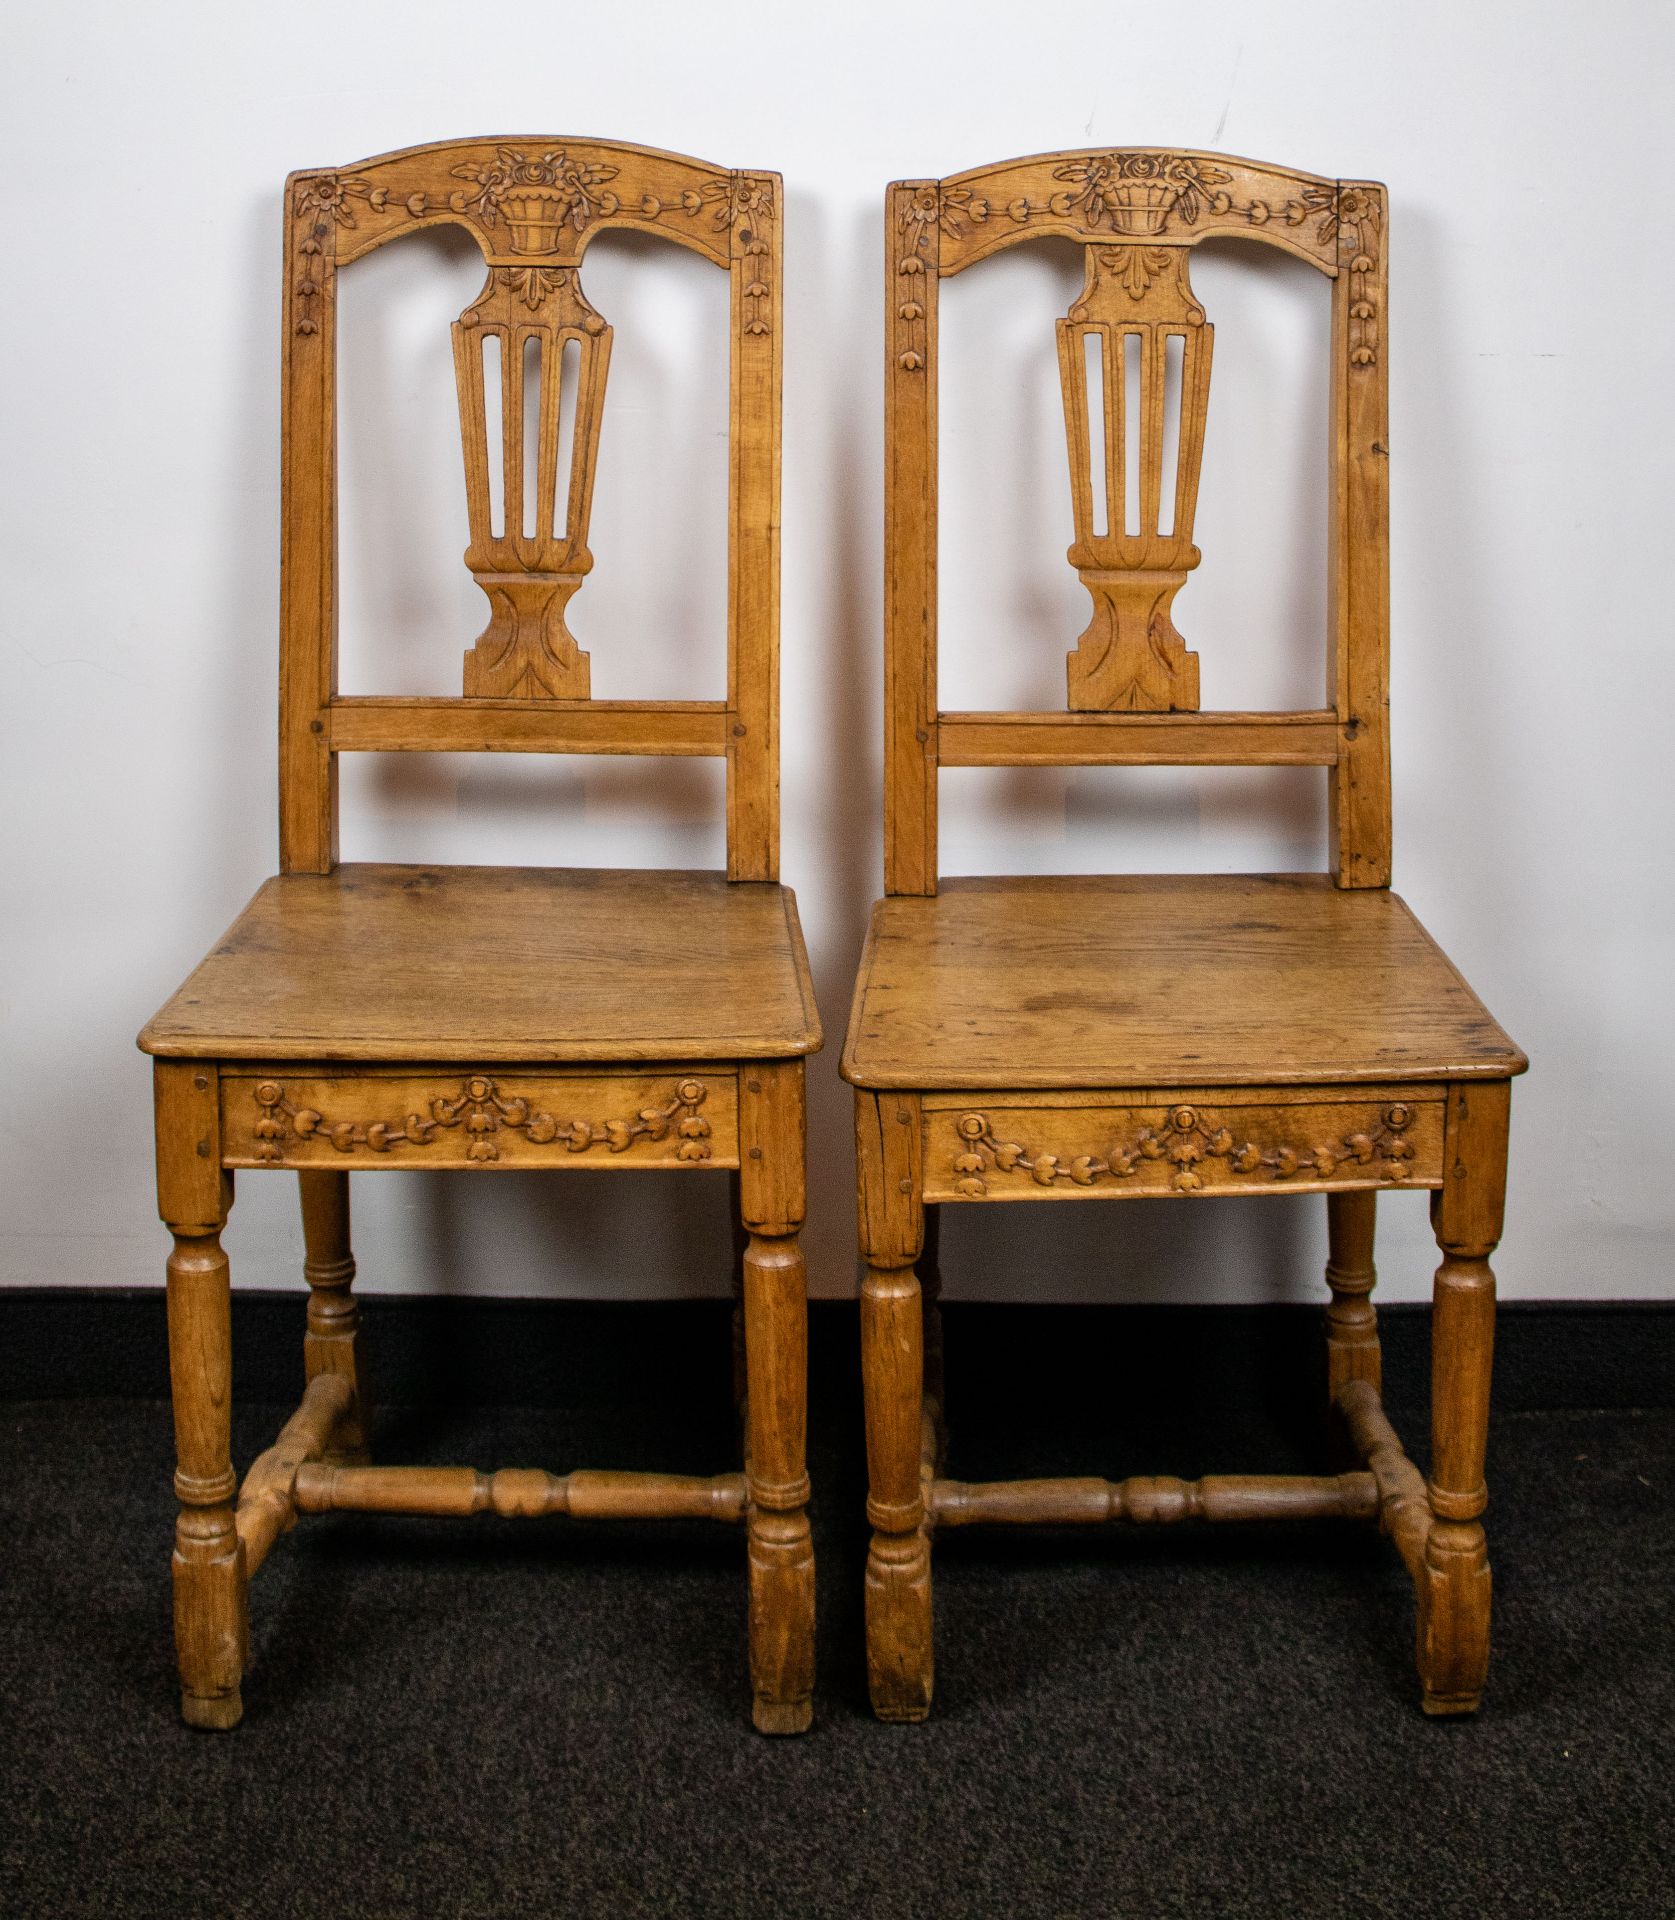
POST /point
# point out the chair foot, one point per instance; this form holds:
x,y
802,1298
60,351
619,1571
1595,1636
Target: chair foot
x,y
1454,1598
782,1716
211,1617
900,1660
781,1621
216,1712
1439,1705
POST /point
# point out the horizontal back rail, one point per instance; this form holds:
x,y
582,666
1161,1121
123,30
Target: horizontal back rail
x,y
381,724
1138,739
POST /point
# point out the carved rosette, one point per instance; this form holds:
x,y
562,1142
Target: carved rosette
x,y
321,204
921,214
1350,220
1359,238
483,1112
1183,1146
746,204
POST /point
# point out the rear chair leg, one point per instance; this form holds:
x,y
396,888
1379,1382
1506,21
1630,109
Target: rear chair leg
x,y
1352,1349
741,1241
1454,1583
332,1343
775,1315
929,1268
900,1659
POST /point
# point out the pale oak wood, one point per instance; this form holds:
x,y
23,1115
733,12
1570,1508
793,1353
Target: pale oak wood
x,y
910,532
1230,1142
1352,1349
1153,1500
280,1116
1454,1585
1175,1037
194,1195
384,723
518,1493
385,963
332,1345
533,205
1404,1508
898,1578
772,1203
1138,740
487,1018
266,1502
1137,215
1235,979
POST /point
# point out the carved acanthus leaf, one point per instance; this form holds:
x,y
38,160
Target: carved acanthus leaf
x,y
1135,268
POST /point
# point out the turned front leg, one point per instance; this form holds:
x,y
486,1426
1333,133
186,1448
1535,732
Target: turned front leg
x,y
775,1317
900,1662
332,1343
1454,1584
210,1617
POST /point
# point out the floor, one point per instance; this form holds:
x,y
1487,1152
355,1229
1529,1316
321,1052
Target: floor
x,y
498,1718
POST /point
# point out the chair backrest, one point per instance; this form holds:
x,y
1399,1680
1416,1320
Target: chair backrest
x,y
1133,685
533,206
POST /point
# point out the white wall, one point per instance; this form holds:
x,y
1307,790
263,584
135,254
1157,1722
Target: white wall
x,y
143,154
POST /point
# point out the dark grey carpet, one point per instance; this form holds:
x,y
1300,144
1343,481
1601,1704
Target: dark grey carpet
x,y
482,1718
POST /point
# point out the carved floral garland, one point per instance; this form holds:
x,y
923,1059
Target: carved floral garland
x,y
538,196
1185,1141
1138,194
483,1111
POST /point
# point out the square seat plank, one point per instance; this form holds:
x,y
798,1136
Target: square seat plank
x,y
1161,980
391,963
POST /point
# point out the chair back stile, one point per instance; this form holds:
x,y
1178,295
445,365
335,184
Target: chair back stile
x,y
533,206
1132,683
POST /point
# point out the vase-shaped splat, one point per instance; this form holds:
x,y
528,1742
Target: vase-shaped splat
x,y
530,357
1134,356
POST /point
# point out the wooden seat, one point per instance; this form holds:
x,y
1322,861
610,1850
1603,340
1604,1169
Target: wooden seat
x,y
1172,1037
500,963
1239,979
487,1018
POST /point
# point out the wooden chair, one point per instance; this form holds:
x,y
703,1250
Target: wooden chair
x,y
485,1018
1112,1038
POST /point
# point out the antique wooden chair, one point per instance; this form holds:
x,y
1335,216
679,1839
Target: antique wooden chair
x,y
485,1018
1109,1038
